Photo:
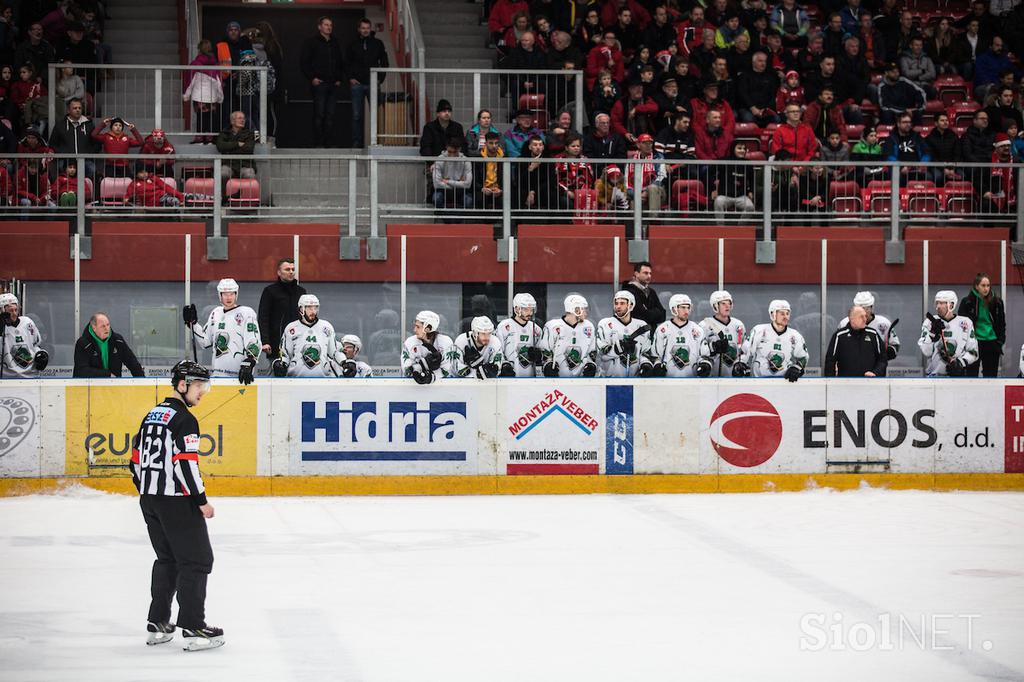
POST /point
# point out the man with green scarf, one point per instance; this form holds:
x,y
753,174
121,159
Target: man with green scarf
x,y
101,352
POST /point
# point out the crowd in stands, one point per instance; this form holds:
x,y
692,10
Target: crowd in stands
x,y
843,80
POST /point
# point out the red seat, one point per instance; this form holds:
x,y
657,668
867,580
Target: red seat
x,y
932,108
853,132
688,193
952,89
531,102
923,200
962,113
749,133
923,131
879,196
845,196
756,156
870,112
540,119
883,131
112,191
243,192
199,192
959,196
766,136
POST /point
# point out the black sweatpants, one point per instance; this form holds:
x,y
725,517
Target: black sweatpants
x,y
184,558
989,353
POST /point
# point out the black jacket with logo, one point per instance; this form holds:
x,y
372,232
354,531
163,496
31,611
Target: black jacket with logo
x,y
852,352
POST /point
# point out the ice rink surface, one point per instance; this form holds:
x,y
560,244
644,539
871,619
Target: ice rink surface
x,y
819,585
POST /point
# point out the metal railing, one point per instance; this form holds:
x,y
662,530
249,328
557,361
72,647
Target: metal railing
x,y
409,95
152,96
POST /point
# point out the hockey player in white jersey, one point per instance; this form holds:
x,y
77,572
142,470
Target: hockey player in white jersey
x,y
624,342
350,366
725,337
520,339
308,345
478,351
947,339
679,348
21,353
427,355
776,349
569,344
880,323
232,330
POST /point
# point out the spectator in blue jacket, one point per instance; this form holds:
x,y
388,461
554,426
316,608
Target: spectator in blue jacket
x,y
515,138
906,146
988,66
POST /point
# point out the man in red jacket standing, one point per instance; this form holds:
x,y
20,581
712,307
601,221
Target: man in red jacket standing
x,y
635,114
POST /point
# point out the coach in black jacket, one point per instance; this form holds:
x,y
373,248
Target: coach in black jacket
x,y
100,352
856,350
648,305
279,305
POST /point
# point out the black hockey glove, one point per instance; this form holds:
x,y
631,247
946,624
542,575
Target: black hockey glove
x,y
421,377
703,369
507,370
741,369
550,369
189,314
5,319
489,370
348,369
628,346
937,326
720,345
793,373
890,353
646,370
432,359
660,370
534,355
245,371
471,355
41,360
589,369
955,368
279,368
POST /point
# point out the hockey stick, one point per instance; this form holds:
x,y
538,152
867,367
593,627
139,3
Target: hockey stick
x,y
637,333
888,333
943,351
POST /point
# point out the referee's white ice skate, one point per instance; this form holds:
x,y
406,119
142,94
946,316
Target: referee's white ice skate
x,y
159,633
200,639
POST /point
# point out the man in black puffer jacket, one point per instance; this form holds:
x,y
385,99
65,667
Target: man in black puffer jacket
x,y
944,145
279,305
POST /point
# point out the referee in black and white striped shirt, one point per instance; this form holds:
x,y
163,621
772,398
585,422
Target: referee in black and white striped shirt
x,y
165,468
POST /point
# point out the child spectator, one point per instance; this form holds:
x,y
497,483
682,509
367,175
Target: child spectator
x,y
33,187
29,95
69,85
790,91
203,88
868,148
606,92
152,192
611,190
1016,141
157,144
834,150
491,181
572,172
65,190
116,142
32,143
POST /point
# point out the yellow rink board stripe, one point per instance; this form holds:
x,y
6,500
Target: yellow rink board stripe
x,y
225,486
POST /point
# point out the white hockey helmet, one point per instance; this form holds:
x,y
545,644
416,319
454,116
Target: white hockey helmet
x,y
678,300
481,325
8,299
864,298
227,286
946,296
574,302
626,296
308,299
354,340
719,296
778,304
430,320
524,301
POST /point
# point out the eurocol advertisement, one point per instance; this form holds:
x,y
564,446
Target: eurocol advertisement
x,y
914,426
102,420
572,429
370,430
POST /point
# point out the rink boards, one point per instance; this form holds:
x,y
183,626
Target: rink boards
x,y
380,436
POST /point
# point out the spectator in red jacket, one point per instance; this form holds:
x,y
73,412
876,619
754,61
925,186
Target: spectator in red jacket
x,y
634,114
824,117
605,56
33,186
500,18
712,140
709,101
157,144
65,190
115,141
152,192
795,136
5,187
690,33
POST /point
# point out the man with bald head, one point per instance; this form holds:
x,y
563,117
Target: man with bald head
x,y
856,350
101,352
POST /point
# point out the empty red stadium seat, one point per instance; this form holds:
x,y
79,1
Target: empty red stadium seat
x,y
749,133
531,102
870,112
932,108
922,200
112,191
853,132
952,89
959,196
756,156
883,131
962,113
879,196
845,196
199,192
243,192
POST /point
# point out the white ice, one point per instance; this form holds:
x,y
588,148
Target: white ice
x,y
561,588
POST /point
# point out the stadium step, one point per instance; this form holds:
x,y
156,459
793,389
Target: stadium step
x,y
143,33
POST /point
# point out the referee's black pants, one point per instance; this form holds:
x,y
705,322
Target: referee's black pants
x,y
184,558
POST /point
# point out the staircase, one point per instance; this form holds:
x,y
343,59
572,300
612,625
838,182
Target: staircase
x,y
453,35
